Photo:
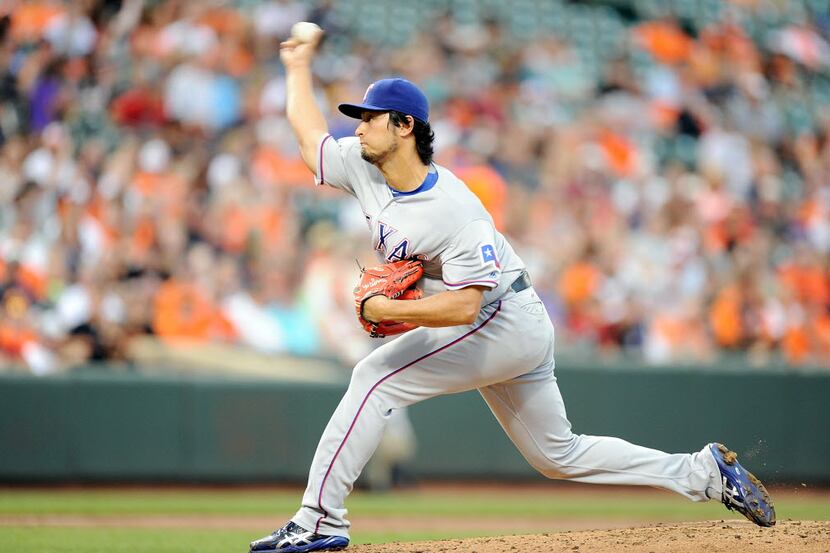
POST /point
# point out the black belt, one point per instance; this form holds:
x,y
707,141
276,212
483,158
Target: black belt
x,y
521,283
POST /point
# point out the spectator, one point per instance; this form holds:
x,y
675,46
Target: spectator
x,y
665,180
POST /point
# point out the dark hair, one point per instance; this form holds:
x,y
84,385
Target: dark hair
x,y
424,135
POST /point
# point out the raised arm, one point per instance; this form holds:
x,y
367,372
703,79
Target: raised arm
x,y
304,115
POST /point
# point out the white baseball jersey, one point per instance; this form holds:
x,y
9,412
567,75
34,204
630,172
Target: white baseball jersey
x,y
441,223
506,354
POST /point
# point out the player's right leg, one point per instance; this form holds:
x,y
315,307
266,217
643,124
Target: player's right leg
x,y
531,410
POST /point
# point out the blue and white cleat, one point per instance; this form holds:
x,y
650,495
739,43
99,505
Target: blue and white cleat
x,y
742,491
293,538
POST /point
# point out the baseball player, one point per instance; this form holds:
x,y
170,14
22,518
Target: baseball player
x,y
480,325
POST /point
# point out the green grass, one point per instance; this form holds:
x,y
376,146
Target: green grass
x,y
473,503
559,503
90,540
124,540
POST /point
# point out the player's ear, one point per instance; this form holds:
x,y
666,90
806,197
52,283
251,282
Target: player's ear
x,y
407,126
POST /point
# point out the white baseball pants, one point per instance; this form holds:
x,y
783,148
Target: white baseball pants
x,y
507,354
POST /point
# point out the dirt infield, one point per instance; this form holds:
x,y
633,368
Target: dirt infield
x,y
712,537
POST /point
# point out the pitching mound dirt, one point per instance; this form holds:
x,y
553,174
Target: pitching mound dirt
x,y
713,537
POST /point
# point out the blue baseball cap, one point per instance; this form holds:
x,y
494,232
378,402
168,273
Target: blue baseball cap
x,y
391,95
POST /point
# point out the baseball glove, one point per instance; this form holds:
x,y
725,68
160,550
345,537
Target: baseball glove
x,y
394,280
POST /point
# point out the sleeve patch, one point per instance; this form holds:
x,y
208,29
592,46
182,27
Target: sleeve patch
x,y
488,255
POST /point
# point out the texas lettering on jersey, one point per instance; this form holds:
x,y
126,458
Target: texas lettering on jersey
x,y
397,252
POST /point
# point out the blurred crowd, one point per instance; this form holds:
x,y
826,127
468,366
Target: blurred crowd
x,y
662,167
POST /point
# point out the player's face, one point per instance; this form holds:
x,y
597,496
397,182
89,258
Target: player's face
x,y
378,141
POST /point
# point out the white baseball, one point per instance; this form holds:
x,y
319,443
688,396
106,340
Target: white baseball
x,y
305,31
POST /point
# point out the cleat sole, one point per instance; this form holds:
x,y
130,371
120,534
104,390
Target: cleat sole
x,y
751,508
764,495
